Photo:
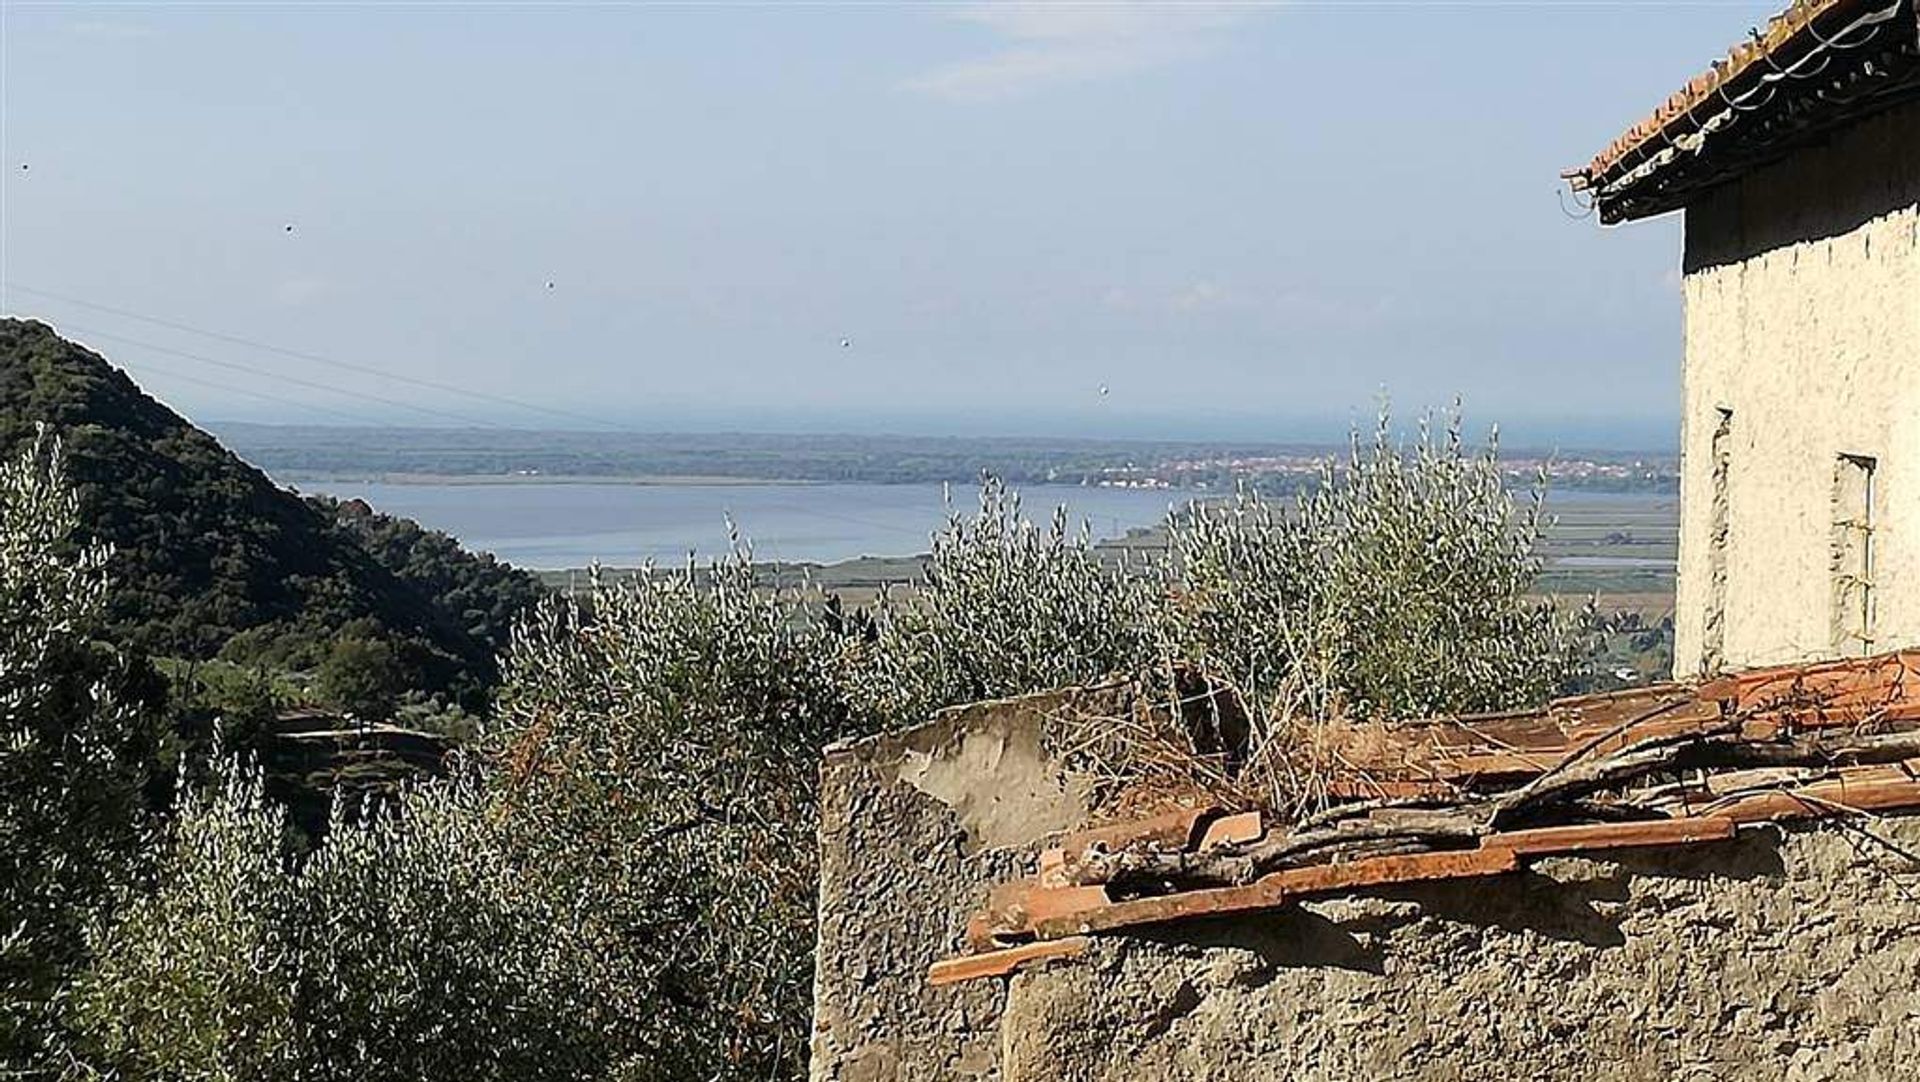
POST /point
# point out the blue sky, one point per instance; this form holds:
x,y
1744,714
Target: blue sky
x,y
1241,220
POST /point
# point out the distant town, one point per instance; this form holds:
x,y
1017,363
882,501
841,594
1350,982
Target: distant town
x,y
1286,472
307,453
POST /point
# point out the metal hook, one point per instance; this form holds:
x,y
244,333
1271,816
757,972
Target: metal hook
x,y
1586,211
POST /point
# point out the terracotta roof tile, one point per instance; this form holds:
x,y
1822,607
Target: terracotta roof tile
x,y
1782,30
1818,63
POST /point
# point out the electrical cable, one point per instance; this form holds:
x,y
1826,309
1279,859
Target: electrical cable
x,y
315,358
295,380
174,373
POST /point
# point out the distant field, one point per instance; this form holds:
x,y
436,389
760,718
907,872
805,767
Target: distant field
x,y
1621,549
293,452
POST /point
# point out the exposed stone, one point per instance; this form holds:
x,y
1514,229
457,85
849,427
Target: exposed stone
x,y
1784,954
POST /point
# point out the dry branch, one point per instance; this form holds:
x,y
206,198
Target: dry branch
x,y
1560,798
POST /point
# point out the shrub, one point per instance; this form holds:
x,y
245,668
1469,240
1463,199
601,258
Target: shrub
x,y
1399,586
656,758
411,943
196,978
361,678
77,732
624,887
1006,607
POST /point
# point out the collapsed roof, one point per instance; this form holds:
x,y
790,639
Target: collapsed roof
x,y
1818,65
1464,797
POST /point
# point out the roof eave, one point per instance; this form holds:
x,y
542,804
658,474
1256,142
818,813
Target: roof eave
x,y
1820,63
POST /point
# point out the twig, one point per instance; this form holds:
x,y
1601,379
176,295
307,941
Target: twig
x,y
1340,832
1587,749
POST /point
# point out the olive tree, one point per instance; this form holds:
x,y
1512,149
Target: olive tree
x,y
655,758
77,734
1401,585
1005,606
621,883
412,942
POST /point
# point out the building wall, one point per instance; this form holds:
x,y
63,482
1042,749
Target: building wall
x,y
914,830
1803,333
1791,955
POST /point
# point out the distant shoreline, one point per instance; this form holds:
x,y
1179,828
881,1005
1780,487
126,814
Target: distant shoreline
x,y
314,457
297,478
303,477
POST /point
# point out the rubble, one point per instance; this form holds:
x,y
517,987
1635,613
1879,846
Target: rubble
x,y
1467,797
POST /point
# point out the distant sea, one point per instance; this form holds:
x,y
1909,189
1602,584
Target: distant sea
x,y
544,526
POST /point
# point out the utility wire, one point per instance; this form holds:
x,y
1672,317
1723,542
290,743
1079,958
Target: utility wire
x,y
315,358
471,422
806,512
284,400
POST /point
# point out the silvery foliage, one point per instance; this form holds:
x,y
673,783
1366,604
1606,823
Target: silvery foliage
x,y
1006,607
621,888
72,748
1398,586
412,943
626,888
657,752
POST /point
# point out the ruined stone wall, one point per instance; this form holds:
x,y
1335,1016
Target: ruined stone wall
x,y
1785,954
914,829
1802,325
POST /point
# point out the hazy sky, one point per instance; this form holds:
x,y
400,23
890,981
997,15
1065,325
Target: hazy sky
x,y
1231,216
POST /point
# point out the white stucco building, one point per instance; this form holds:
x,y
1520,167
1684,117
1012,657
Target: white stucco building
x,y
1797,165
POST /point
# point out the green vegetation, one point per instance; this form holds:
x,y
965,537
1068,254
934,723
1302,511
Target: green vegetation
x,y
618,881
624,888
410,945
79,744
478,593
210,559
1005,607
361,677
658,746
1398,586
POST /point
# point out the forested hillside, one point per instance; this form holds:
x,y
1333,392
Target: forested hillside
x,y
211,559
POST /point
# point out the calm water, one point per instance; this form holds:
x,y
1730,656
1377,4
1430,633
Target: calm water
x,y
571,525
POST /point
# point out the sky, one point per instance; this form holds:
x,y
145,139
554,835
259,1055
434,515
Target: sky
x,y
1203,220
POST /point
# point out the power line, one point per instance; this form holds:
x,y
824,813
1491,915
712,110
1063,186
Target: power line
x,y
174,373
315,358
805,512
297,381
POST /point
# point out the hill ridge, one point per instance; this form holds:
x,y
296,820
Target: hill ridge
x,y
212,558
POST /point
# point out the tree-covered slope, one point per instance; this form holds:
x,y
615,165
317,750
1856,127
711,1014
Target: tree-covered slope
x,y
212,559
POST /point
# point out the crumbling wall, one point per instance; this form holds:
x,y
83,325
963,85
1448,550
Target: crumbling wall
x,y
1788,953
915,828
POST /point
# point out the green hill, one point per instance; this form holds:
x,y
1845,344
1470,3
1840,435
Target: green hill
x,y
214,560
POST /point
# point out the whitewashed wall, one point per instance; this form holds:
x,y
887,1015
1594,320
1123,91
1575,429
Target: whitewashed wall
x,y
1803,319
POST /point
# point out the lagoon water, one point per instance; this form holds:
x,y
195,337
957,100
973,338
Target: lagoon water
x,y
543,525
